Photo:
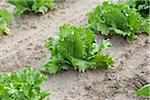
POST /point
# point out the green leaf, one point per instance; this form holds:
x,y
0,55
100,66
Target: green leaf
x,y
103,28
146,24
21,6
103,61
82,65
52,68
5,19
6,15
105,44
3,26
144,91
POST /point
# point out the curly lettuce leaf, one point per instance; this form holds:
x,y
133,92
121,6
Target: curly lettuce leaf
x,y
82,65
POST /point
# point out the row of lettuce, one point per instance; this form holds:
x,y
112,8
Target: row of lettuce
x,y
75,48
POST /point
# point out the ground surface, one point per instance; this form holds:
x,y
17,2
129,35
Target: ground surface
x,y
26,48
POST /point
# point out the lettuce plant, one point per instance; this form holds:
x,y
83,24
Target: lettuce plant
x,y
120,19
76,48
5,19
22,85
37,6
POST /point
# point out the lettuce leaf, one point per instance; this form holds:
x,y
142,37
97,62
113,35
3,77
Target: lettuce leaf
x,y
5,19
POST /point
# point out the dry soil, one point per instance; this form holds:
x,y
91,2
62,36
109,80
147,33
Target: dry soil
x,y
25,47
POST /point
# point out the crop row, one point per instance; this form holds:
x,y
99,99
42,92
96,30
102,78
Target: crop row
x,y
75,48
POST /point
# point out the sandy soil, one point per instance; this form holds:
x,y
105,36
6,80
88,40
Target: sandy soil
x,y
26,48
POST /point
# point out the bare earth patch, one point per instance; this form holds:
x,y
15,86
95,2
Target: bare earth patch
x,y
26,48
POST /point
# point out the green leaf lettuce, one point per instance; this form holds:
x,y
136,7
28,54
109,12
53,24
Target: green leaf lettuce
x,y
76,48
